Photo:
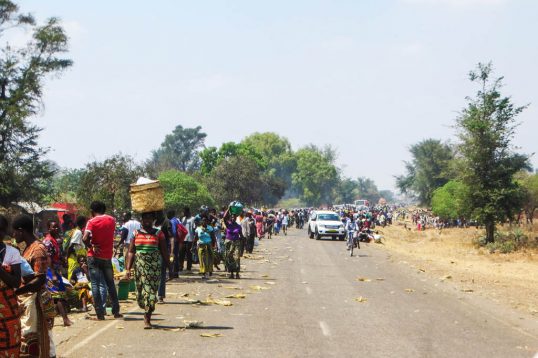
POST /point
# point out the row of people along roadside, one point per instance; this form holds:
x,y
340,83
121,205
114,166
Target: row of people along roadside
x,y
73,266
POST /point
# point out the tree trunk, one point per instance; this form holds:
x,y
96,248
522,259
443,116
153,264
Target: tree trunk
x,y
490,231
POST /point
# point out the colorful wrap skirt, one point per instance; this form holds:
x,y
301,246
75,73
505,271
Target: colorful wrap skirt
x,y
35,340
205,255
10,322
147,277
233,255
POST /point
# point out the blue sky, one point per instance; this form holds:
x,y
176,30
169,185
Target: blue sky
x,y
370,78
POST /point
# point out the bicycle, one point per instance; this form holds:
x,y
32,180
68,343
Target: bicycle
x,y
354,241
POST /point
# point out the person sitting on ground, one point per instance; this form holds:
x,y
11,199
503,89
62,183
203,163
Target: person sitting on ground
x,y
79,279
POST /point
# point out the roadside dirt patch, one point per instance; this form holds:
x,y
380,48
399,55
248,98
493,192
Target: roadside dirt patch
x,y
450,255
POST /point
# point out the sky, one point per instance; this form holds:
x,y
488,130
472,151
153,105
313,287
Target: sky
x,y
368,77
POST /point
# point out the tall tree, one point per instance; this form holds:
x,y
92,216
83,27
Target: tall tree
x,y
429,169
368,190
236,178
22,74
486,129
316,176
179,151
109,181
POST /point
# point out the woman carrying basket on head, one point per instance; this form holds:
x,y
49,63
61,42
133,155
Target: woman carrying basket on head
x,y
147,253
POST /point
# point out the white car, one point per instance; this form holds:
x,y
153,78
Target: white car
x,y
325,223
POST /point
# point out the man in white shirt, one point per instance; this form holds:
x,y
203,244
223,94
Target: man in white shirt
x,y
186,251
129,226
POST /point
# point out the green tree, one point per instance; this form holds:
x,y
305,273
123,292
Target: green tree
x,y
316,176
449,201
236,178
179,151
529,184
368,190
22,75
109,181
65,184
429,169
181,189
347,191
388,195
486,129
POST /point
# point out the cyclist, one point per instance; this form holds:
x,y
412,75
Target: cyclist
x,y
351,229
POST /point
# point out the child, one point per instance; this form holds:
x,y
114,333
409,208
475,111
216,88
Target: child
x,y
79,279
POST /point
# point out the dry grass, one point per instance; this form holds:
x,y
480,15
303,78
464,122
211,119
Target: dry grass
x,y
507,278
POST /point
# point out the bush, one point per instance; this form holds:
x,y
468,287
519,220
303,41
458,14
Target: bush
x,y
506,242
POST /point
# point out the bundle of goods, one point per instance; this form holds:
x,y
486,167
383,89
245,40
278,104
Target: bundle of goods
x,y
147,196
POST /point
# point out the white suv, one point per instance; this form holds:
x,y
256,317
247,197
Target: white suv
x,y
325,223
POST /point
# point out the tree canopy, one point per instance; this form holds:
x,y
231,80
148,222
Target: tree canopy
x,y
448,201
486,129
179,151
429,169
22,75
316,175
182,190
109,181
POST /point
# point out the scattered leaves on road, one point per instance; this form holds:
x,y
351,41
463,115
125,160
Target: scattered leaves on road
x,y
467,290
237,295
409,290
211,335
361,299
363,279
446,277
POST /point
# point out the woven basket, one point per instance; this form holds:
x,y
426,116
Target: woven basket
x,y
147,197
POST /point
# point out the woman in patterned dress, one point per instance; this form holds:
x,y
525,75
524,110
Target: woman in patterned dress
x,y
147,253
38,309
10,279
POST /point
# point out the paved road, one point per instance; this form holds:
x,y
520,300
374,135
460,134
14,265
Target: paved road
x,y
307,308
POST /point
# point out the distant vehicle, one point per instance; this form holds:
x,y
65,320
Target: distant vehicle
x,y
362,202
325,223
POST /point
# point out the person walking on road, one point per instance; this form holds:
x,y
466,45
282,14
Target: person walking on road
x,y
185,251
147,253
285,221
249,230
204,240
233,246
99,239
178,241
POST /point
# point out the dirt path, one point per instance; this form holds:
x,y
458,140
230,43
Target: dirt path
x,y
509,279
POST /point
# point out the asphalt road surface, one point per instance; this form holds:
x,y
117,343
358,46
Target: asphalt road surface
x,y
308,298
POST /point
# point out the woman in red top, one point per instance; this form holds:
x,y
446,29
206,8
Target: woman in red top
x,y
147,252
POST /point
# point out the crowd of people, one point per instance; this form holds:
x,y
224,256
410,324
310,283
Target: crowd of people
x,y
76,264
